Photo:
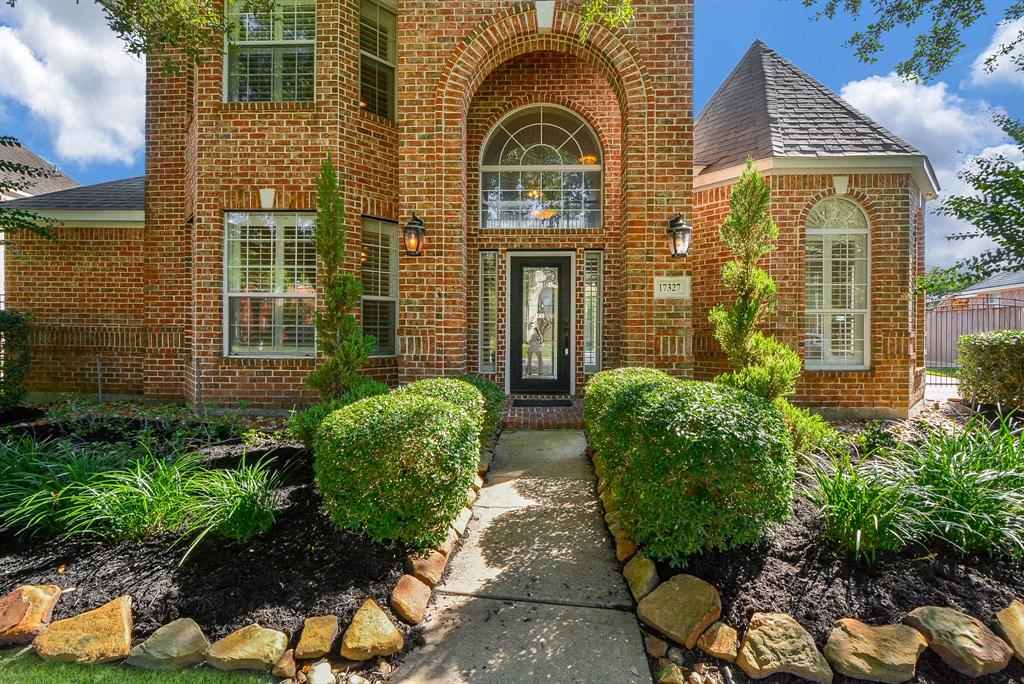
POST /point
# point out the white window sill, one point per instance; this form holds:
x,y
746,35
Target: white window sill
x,y
833,369
271,357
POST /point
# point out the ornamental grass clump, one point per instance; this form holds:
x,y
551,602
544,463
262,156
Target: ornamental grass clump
x,y
397,466
958,490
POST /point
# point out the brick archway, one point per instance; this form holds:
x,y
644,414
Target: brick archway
x,y
434,184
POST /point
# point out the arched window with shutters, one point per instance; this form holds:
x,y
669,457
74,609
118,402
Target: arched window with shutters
x,y
838,289
541,167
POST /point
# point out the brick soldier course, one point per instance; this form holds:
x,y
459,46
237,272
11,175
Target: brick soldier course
x,y
138,302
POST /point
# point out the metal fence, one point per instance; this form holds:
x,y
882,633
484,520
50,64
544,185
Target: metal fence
x,y
946,322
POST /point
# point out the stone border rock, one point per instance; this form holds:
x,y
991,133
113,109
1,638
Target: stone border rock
x,y
685,610
104,635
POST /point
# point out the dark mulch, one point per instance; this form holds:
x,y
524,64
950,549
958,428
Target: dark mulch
x,y
797,572
20,414
303,566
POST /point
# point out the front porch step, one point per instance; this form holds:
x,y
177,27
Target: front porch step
x,y
547,412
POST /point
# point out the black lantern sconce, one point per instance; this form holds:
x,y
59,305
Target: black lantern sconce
x,y
679,234
412,236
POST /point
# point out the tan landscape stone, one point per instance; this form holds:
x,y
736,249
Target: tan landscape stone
x,y
285,666
720,641
321,674
670,673
175,645
409,599
888,653
774,643
641,575
429,567
963,642
656,648
681,608
470,497
1011,625
449,543
462,521
250,648
478,483
26,611
624,547
102,635
318,635
371,634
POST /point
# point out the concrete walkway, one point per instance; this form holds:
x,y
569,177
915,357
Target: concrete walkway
x,y
535,592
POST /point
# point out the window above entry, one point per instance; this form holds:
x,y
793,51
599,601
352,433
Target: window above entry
x,y
541,167
271,54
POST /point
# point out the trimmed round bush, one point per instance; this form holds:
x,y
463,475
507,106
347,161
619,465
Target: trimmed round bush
x,y
303,425
992,368
455,391
706,467
397,466
609,407
494,403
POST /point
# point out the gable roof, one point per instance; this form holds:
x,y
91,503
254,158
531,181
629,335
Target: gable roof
x,y
998,281
120,195
19,154
767,107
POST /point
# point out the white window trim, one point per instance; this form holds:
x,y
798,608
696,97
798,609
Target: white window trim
x,y
599,323
564,168
228,295
480,319
812,365
393,103
391,229
226,61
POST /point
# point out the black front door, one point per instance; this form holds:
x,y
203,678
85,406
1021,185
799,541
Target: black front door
x,y
541,300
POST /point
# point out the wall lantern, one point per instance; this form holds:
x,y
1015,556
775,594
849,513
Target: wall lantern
x,y
679,234
412,236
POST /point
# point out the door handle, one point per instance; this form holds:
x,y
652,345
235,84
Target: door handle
x,y
565,343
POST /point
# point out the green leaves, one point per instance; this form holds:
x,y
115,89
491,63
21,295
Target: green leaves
x,y
610,13
692,466
397,466
937,46
995,210
338,335
761,364
15,355
992,368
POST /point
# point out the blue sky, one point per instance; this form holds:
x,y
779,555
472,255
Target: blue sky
x,y
69,92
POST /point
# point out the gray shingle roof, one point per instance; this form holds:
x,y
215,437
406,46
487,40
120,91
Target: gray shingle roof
x,y
36,186
769,107
126,194
998,280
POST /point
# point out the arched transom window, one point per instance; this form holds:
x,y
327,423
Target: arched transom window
x,y
541,168
837,286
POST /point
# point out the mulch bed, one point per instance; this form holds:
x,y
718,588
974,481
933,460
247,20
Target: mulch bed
x,y
797,572
303,566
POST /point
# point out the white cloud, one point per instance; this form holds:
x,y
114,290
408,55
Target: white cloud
x,y
948,128
1005,71
62,63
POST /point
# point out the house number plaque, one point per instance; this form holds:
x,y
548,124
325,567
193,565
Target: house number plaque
x,y
672,287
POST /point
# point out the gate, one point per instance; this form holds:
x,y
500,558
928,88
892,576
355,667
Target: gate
x,y
946,321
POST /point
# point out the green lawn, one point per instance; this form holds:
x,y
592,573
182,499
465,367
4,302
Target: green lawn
x,y
945,372
29,669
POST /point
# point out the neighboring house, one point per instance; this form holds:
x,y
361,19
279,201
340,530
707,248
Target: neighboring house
x,y
999,290
546,171
27,186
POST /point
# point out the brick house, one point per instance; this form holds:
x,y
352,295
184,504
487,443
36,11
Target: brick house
x,y
546,170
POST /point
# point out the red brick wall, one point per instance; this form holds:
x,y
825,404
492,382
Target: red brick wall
x,y
449,59
531,79
83,293
894,382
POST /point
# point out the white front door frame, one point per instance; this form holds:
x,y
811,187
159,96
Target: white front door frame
x,y
509,255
